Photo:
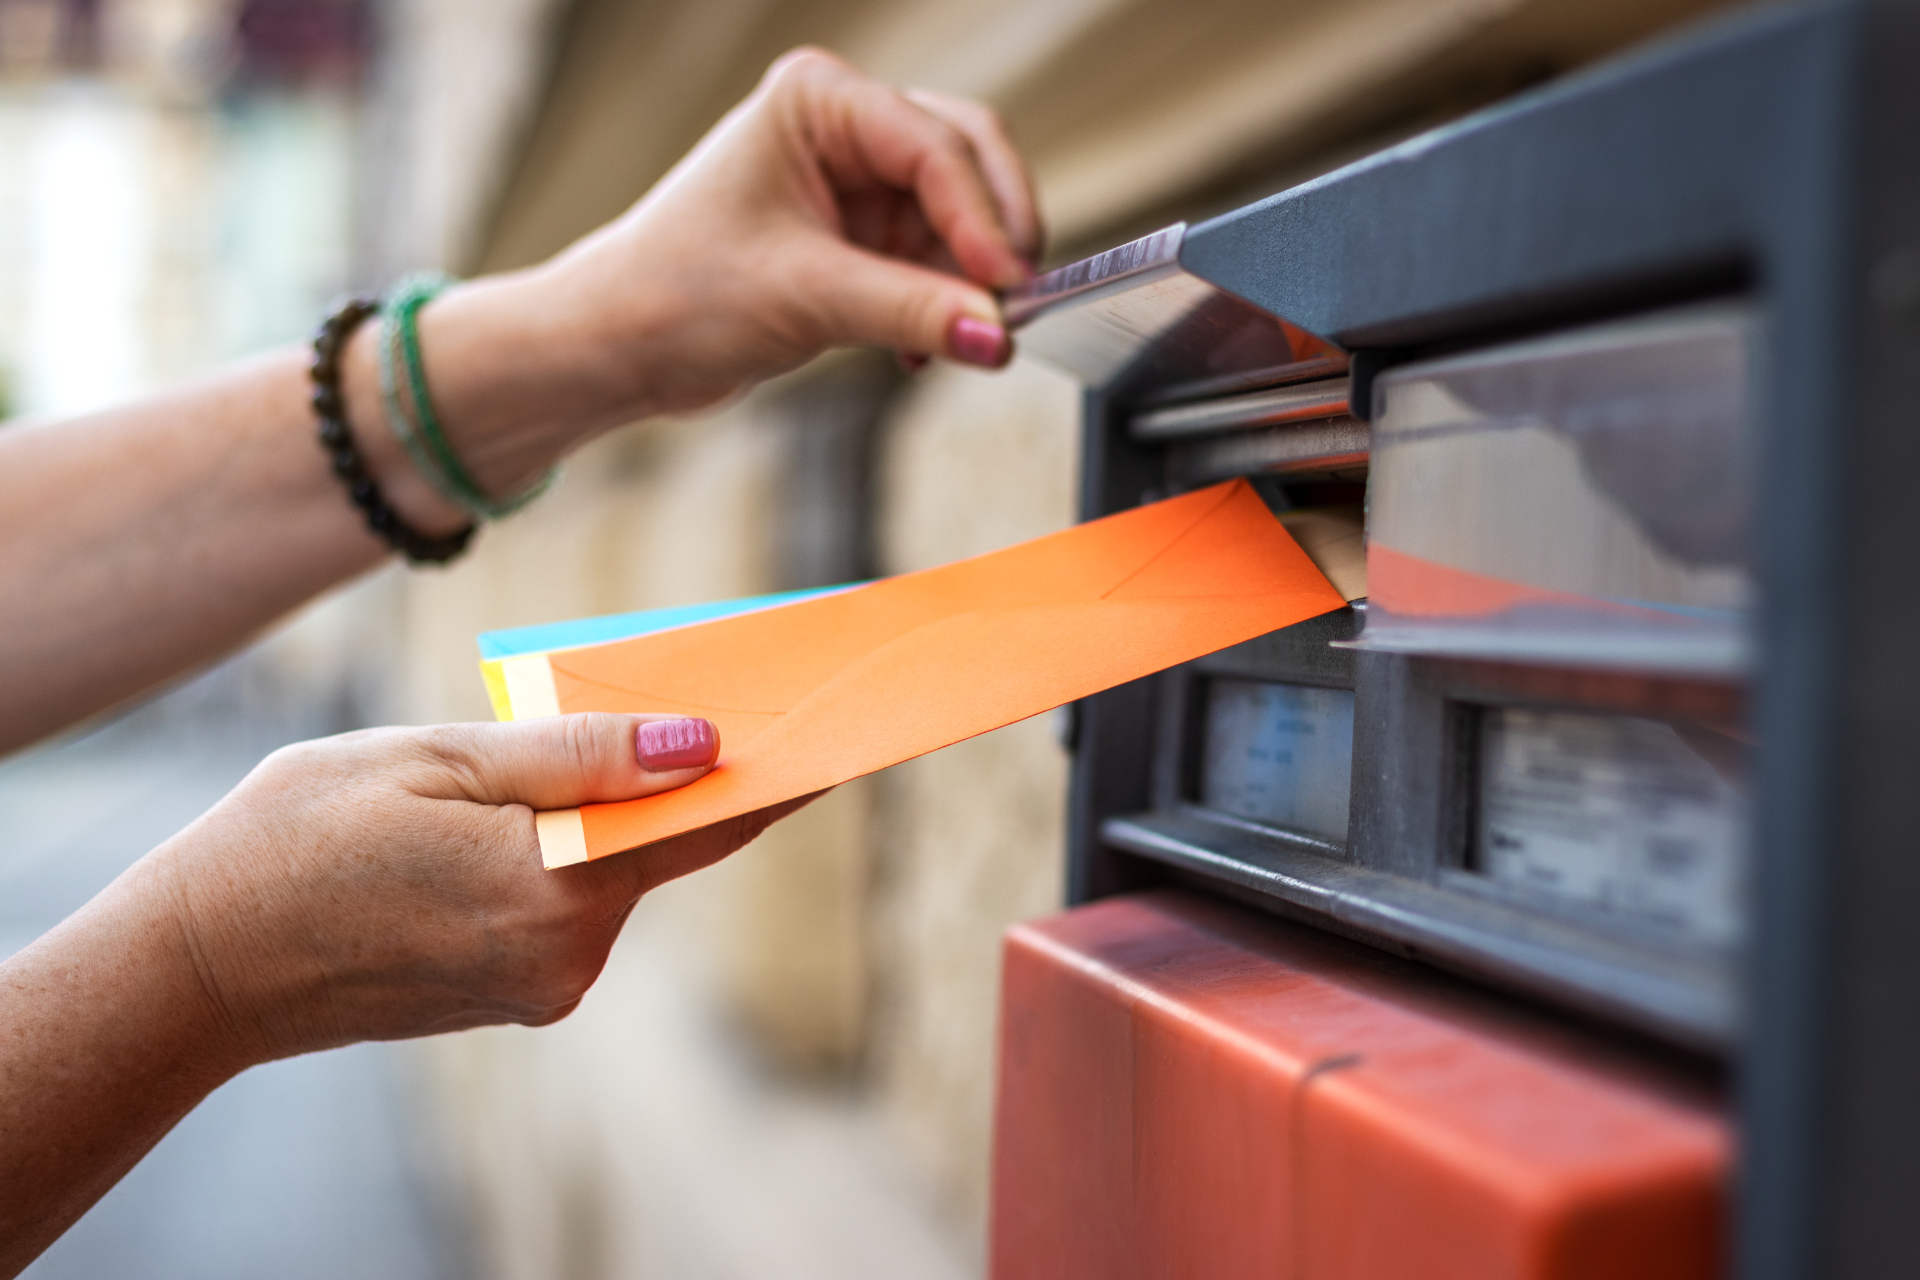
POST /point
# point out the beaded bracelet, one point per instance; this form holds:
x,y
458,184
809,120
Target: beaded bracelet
x,y
337,439
418,427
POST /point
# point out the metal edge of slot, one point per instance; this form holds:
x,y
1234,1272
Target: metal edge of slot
x,y
1297,840
1657,330
1181,392
1690,1008
1705,657
1150,253
1313,446
1298,402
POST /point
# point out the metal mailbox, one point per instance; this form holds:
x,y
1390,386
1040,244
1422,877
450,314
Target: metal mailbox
x,y
1617,382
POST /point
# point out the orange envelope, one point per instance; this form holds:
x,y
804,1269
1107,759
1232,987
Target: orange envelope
x,y
813,694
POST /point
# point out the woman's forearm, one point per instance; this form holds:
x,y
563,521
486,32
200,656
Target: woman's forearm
x,y
146,540
107,1039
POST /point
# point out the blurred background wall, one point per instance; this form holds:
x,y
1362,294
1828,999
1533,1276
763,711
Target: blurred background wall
x,y
787,1069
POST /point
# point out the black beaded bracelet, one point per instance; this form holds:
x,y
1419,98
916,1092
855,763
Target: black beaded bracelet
x,y
337,439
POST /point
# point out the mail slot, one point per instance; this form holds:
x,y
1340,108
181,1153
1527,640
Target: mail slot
x,y
1597,409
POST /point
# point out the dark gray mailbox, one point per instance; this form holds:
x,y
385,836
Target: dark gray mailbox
x,y
1622,382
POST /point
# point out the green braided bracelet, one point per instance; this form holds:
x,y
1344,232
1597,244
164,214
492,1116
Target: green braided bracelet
x,y
398,419
419,431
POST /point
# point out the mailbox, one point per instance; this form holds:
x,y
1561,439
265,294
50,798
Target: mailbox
x,y
1615,385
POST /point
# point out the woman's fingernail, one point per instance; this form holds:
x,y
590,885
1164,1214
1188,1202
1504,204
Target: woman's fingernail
x,y
675,744
972,341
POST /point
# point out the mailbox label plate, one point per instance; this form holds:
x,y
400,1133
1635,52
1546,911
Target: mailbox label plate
x,y
1279,754
1640,817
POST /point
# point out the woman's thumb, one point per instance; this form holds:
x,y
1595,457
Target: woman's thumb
x,y
558,762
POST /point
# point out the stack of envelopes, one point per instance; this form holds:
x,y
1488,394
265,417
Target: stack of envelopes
x,y
812,689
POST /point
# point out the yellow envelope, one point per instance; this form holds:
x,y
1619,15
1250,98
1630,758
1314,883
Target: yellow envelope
x,y
813,694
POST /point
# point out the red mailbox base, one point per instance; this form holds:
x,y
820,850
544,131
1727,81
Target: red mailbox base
x,y
1190,1090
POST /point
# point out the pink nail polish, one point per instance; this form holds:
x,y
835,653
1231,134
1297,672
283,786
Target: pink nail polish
x,y
675,744
973,341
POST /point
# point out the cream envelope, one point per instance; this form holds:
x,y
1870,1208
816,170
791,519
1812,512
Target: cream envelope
x,y
812,694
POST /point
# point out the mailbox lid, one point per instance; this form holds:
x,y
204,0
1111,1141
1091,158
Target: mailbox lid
x,y
1185,1090
1133,323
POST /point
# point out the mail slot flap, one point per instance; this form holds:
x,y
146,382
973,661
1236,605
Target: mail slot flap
x,y
1581,498
1132,322
1186,1091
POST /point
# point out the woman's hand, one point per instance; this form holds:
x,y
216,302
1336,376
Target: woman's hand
x,y
387,884
827,209
372,886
